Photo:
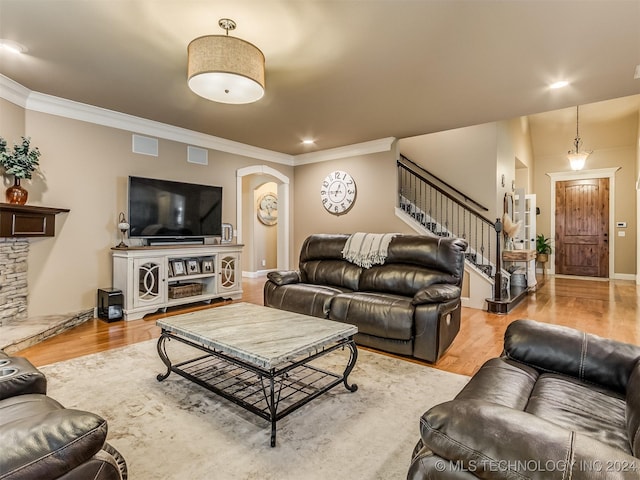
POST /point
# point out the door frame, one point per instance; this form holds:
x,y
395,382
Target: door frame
x,y
283,209
609,173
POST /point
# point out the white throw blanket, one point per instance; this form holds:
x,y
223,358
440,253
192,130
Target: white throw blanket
x,y
367,249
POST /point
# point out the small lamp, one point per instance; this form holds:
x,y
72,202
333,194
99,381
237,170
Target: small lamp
x,y
123,226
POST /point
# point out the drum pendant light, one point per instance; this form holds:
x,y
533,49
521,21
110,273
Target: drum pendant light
x,y
225,69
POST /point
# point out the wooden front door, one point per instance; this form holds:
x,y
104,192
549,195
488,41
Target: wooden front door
x,y
582,227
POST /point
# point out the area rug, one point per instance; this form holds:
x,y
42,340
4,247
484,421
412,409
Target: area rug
x,y
177,430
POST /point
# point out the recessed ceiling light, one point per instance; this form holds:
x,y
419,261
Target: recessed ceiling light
x,y
560,84
308,141
12,46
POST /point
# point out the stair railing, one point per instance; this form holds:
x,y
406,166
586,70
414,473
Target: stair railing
x,y
445,211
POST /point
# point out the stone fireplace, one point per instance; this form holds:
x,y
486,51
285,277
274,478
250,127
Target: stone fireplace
x,y
14,254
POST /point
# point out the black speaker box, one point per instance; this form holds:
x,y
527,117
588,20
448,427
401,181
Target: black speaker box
x,y
110,302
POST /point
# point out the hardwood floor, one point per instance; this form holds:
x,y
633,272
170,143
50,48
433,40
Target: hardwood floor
x,y
609,309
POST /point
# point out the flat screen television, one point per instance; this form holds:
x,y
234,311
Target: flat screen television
x,y
167,209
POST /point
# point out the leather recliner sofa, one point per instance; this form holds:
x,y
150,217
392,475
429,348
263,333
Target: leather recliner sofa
x,y
40,439
409,305
559,403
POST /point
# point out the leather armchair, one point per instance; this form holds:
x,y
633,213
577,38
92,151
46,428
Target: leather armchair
x,y
40,439
559,403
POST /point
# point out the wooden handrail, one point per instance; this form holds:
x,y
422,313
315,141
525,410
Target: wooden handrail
x,y
466,197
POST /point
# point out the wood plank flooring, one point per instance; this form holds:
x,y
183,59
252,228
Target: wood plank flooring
x,y
609,309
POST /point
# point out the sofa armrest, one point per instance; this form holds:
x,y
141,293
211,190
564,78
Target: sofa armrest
x,y
20,378
436,293
493,441
558,349
48,442
284,277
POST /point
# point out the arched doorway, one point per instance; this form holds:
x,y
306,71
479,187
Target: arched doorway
x,y
245,203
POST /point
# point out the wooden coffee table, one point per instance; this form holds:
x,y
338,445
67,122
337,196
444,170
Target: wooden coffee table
x,y
259,358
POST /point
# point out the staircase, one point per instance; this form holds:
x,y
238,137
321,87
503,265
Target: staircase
x,y
433,207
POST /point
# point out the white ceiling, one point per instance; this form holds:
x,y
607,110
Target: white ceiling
x,y
338,71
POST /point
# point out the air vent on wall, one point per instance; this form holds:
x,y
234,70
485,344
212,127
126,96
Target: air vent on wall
x,y
145,145
197,155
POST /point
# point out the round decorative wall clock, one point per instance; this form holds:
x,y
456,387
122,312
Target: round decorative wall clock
x,y
338,192
268,209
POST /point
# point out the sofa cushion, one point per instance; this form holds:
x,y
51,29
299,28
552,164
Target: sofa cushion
x,y
336,273
503,382
388,316
42,439
302,298
401,279
581,407
443,254
559,349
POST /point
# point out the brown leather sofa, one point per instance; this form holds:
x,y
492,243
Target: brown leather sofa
x,y
410,305
559,403
40,439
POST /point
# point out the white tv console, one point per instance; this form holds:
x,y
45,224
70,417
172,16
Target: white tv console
x,y
150,277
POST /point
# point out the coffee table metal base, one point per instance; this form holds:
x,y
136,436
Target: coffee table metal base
x,y
271,394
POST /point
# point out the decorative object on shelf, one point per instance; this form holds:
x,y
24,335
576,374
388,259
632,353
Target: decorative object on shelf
x,y
225,69
193,266
178,268
543,248
123,226
338,192
227,233
268,209
577,158
207,265
511,230
21,163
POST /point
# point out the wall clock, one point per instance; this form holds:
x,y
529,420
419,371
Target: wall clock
x,y
338,192
268,209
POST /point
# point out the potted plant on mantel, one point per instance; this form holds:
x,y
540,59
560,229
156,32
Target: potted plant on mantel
x,y
543,248
21,163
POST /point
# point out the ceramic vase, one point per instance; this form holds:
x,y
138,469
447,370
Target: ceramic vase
x,y
16,194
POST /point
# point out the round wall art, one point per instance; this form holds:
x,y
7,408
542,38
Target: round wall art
x,y
268,209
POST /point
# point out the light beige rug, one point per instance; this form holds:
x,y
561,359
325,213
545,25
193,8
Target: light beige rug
x,y
177,430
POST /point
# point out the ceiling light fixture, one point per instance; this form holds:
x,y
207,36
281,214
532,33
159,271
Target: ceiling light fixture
x,y
225,69
576,157
560,84
11,46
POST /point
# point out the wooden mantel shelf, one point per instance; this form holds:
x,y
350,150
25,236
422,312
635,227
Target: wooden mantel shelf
x,y
28,220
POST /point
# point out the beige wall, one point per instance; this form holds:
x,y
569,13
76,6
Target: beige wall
x,y
86,168
464,158
373,210
12,120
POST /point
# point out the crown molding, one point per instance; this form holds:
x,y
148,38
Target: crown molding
x,y
40,102
13,92
365,148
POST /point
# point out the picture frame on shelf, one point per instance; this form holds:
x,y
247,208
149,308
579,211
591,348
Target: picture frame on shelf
x,y
169,271
207,265
193,267
178,268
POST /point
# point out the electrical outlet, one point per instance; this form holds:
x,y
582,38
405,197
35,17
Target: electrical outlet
x,y
264,262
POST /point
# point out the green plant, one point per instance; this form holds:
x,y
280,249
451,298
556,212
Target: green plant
x,y
22,161
543,244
